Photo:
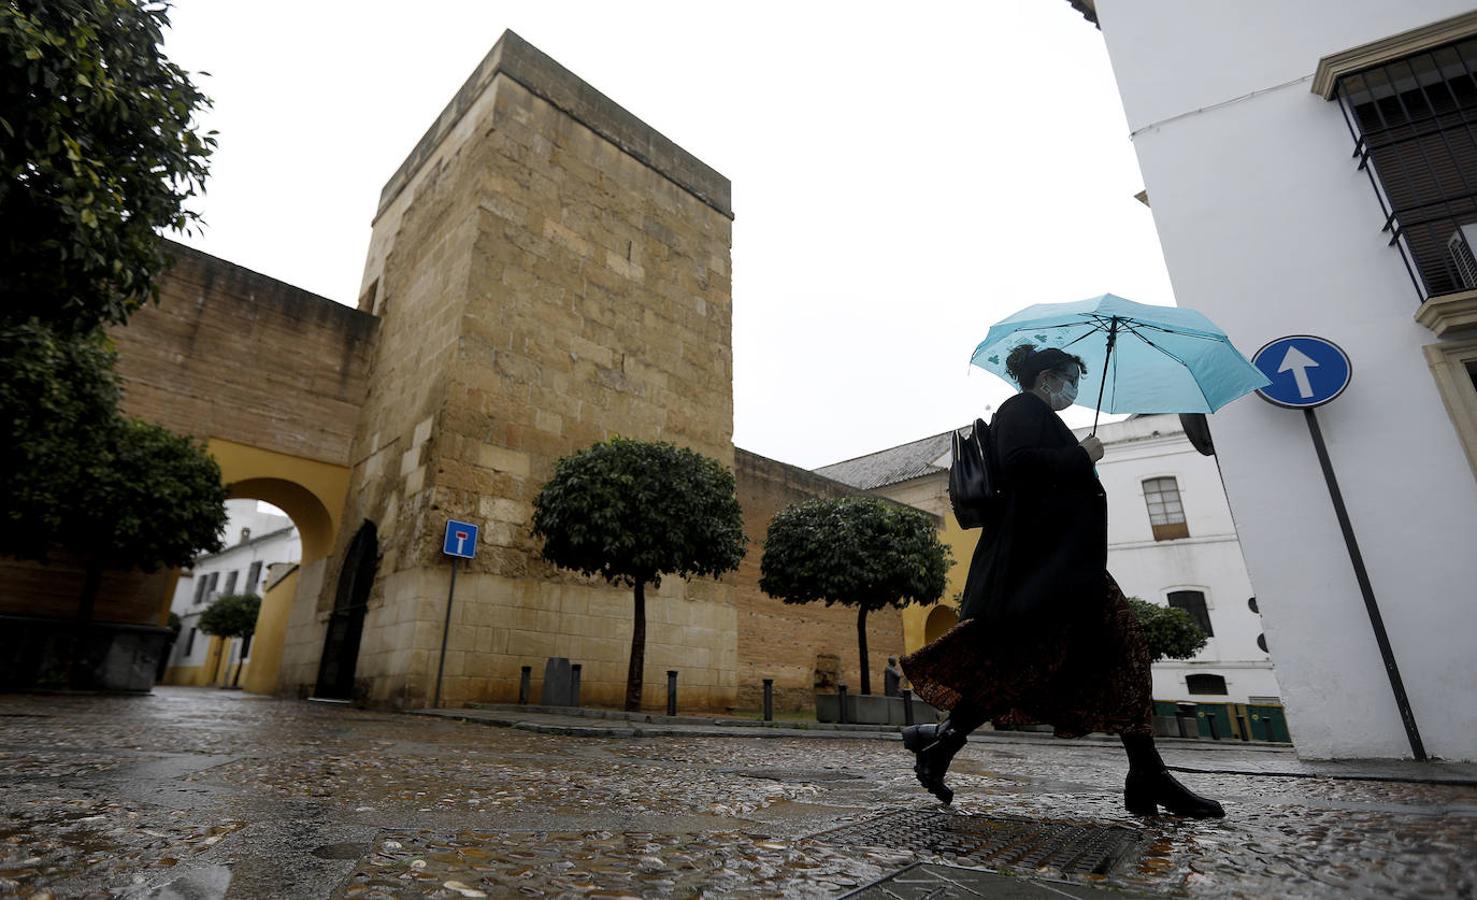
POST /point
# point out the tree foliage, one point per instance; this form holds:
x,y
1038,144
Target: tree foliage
x,y
1170,633
99,151
59,404
231,615
857,551
633,511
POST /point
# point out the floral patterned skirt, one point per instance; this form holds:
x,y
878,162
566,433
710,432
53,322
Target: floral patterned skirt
x,y
1088,673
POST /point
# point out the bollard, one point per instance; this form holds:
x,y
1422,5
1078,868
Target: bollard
x,y
525,682
574,684
907,706
671,692
769,699
841,703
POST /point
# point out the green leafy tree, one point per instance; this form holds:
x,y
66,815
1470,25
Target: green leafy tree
x,y
99,151
232,616
59,404
1170,633
856,551
633,511
150,499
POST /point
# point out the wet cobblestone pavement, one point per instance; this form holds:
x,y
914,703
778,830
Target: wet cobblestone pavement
x,y
200,792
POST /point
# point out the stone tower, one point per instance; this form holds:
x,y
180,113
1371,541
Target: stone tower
x,y
548,271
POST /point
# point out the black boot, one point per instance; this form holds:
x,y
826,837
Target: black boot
x,y
934,747
1150,786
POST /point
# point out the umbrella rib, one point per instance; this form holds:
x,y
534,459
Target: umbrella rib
x,y
1193,380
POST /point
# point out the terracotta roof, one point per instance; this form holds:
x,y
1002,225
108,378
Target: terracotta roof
x,y
892,465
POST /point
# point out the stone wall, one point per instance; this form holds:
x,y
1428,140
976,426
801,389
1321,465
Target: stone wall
x,y
549,271
780,641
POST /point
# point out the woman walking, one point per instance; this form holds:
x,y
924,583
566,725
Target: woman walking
x,y
1045,634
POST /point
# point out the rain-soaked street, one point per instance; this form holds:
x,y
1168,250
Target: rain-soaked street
x,y
201,792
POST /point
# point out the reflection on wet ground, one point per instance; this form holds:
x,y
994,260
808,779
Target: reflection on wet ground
x,y
217,790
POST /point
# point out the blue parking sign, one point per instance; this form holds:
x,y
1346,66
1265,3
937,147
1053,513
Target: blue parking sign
x,y
461,539
1305,371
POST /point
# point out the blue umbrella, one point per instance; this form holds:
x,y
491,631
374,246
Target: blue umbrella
x,y
1146,359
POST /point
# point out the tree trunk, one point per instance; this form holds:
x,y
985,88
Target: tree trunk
x,y
638,651
241,659
861,640
223,660
78,675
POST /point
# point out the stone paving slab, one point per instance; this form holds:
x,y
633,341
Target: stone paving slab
x,y
206,793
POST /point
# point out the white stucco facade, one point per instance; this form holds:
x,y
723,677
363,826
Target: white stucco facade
x,y
1269,228
1207,562
255,541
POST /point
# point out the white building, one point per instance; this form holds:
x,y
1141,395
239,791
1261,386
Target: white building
x,y
1171,541
1307,165
255,542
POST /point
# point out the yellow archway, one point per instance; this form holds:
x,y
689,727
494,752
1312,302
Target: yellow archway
x,y
940,620
310,492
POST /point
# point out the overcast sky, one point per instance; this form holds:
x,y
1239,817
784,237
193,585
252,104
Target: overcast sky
x,y
900,180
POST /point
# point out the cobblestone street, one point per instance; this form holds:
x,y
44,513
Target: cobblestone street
x,y
201,792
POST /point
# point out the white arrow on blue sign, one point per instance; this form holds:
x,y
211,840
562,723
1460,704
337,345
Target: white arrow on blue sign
x,y
1305,371
461,539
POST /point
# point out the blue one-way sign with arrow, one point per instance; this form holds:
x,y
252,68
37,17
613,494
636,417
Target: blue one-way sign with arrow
x,y
1305,371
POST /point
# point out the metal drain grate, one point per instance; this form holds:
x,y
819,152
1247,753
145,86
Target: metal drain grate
x,y
931,881
1004,841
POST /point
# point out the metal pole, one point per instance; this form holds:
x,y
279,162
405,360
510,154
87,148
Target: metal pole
x,y
907,706
525,685
445,631
671,692
841,702
1107,359
769,699
1407,717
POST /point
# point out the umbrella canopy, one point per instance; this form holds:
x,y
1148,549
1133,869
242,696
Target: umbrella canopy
x,y
1140,358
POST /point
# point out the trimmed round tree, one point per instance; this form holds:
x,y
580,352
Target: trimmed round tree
x,y
857,551
633,511
1170,633
232,616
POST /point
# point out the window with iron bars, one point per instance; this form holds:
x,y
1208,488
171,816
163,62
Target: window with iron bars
x,y
1414,123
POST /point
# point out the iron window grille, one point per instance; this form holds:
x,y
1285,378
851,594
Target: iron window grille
x,y
1414,124
1193,602
1206,684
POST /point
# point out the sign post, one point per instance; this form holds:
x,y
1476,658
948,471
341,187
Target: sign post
x,y
460,542
1308,372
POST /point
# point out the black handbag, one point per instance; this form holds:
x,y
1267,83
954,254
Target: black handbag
x,y
974,482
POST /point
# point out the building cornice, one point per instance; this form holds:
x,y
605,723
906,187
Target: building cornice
x,y
1336,65
1449,312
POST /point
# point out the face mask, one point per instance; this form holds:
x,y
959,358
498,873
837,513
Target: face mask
x,y
1063,397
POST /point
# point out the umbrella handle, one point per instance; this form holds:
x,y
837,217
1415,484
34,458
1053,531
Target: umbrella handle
x,y
1107,361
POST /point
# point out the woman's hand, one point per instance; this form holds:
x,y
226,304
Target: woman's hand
x,y
1093,446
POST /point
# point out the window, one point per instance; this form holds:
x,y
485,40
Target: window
x,y
1412,120
1193,602
1206,684
253,577
231,583
215,579
201,584
1166,513
190,642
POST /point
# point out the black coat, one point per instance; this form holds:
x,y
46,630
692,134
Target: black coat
x,y
1045,552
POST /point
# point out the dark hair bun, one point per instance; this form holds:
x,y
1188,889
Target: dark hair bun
x,y
1015,363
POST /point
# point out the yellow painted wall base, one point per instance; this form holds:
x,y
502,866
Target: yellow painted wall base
x,y
260,674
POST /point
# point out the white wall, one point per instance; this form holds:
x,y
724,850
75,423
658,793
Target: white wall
x,y
237,557
1269,229
1208,561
